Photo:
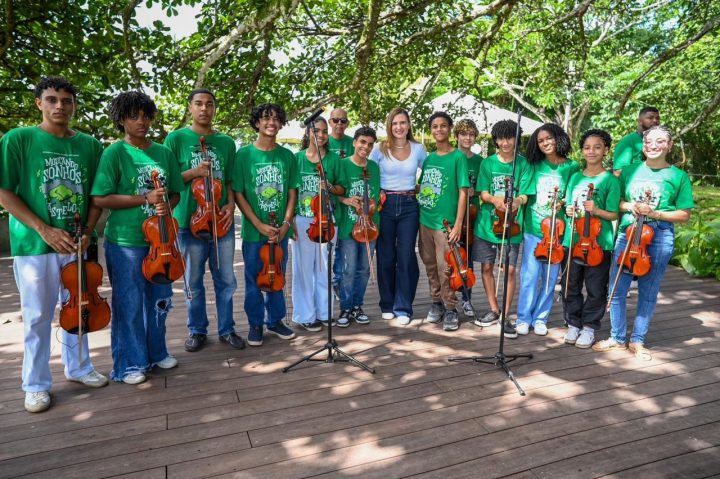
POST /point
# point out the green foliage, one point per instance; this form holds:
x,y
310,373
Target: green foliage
x,y
697,244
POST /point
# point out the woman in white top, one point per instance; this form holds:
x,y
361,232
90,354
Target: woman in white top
x,y
399,158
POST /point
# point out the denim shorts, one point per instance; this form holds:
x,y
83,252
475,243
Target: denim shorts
x,y
485,252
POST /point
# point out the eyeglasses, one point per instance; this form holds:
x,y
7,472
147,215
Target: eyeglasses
x,y
658,142
339,120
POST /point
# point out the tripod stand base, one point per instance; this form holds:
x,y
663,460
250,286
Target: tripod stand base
x,y
334,355
500,360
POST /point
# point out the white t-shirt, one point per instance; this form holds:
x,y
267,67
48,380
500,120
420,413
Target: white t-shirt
x,y
399,175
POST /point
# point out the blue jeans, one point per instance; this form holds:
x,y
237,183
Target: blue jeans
x,y
139,310
397,266
660,250
356,272
535,299
197,252
257,301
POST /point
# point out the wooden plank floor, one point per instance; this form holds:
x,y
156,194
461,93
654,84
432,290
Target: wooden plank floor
x,y
226,413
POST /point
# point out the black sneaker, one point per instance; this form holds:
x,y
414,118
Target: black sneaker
x,y
436,313
487,319
324,322
255,336
451,321
281,331
233,340
510,331
343,320
359,316
195,342
314,327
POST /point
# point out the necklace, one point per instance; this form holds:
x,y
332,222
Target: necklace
x,y
406,145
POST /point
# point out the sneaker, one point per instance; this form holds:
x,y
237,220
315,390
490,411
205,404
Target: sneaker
x,y
255,336
134,378
487,319
403,320
608,344
92,379
359,316
388,316
640,351
540,328
313,327
572,335
510,331
343,320
168,363
37,401
435,315
281,331
451,321
585,339
195,342
468,309
522,328
324,322
233,340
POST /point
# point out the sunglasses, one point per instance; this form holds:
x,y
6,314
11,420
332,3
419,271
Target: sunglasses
x,y
339,120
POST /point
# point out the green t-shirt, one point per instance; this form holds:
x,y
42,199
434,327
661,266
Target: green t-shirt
x,y
628,151
342,148
126,170
440,182
546,178
492,179
606,196
350,177
52,176
670,188
185,144
309,180
264,178
473,165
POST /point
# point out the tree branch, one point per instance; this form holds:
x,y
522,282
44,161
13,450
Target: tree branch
x,y
9,27
578,12
711,107
362,58
259,69
126,17
513,93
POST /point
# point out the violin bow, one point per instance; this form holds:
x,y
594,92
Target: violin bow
x,y
206,157
366,209
553,217
569,255
620,266
505,228
79,259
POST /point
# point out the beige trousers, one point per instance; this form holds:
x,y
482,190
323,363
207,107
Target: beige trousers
x,y
433,246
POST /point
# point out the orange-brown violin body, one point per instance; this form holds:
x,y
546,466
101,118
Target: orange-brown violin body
x,y
201,222
498,228
364,230
456,257
321,229
637,260
271,277
587,251
550,248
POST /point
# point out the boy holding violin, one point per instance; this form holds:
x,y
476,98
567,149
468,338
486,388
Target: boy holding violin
x,y
46,172
135,180
442,195
207,233
265,182
593,200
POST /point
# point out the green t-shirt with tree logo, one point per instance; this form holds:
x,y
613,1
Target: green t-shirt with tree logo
x,y
343,148
264,178
126,170
473,173
185,144
52,176
309,180
606,196
546,177
350,177
440,182
492,176
628,151
670,188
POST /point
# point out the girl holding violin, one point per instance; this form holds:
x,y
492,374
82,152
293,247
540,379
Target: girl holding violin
x,y
593,200
357,225
547,153
442,196
205,217
135,179
660,195
309,281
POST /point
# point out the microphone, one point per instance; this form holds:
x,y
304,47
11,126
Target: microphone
x,y
311,119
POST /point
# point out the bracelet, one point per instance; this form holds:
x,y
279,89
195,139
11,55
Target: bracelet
x,y
286,222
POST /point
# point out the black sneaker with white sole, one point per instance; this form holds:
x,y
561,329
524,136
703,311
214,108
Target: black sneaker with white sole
x,y
510,331
487,319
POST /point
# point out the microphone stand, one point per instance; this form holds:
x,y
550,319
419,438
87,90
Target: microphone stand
x,y
500,359
334,353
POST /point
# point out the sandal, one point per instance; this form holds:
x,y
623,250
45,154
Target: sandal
x,y
641,352
608,345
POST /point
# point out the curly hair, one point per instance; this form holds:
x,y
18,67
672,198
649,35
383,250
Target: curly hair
x,y
562,143
365,131
266,110
128,104
55,83
306,136
465,125
504,129
602,134
439,114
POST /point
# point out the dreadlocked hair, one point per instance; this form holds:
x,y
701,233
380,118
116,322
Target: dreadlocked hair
x,y
562,143
128,104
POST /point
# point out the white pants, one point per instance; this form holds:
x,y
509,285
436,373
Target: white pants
x,y
38,280
309,278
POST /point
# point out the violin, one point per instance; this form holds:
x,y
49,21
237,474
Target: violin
x,y
461,277
271,277
469,223
364,230
635,260
587,251
163,264
321,229
552,227
502,228
85,311
207,192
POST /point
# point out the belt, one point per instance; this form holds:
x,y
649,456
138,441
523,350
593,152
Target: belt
x,y
400,193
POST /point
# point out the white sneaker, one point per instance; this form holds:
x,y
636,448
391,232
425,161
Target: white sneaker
x,y
403,320
585,339
540,328
571,335
522,328
468,309
37,402
168,363
134,378
388,316
92,379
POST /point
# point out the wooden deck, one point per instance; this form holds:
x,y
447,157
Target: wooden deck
x,y
226,413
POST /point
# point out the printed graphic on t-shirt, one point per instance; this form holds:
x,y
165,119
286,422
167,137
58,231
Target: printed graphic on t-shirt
x,y
309,186
638,189
431,187
579,196
145,185
545,186
198,157
269,187
62,185
356,189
